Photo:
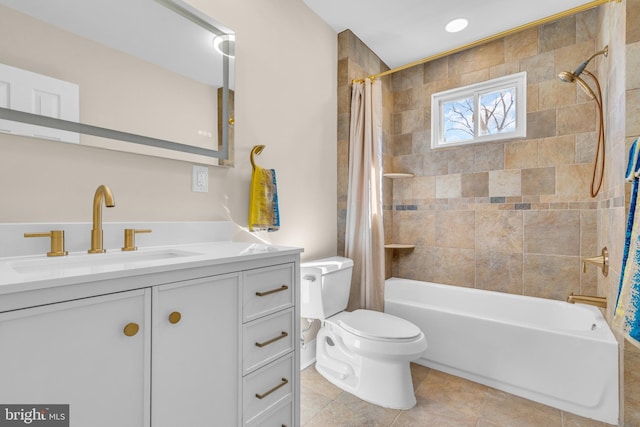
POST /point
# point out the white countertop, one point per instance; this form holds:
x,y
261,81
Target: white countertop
x,y
22,273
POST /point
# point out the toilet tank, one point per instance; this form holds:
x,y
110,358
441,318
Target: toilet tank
x,y
325,287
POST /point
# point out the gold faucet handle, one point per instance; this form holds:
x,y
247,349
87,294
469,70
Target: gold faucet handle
x,y
601,260
130,238
57,241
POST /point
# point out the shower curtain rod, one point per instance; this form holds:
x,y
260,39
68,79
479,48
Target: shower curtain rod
x,y
517,29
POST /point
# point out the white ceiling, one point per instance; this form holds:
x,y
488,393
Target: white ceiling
x,y
403,31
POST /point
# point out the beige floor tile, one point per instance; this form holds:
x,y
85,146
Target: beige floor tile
x,y
442,401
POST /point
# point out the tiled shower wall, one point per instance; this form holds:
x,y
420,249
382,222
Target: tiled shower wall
x,y
512,216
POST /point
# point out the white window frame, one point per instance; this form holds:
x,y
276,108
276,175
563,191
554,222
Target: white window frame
x,y
517,81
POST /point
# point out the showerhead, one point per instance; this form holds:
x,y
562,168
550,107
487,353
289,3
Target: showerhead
x,y
570,77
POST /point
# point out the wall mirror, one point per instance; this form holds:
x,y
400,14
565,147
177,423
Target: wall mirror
x,y
153,77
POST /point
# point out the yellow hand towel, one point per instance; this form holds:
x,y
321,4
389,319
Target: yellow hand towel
x,y
263,203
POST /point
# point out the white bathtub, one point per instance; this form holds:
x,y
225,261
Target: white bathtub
x,y
552,352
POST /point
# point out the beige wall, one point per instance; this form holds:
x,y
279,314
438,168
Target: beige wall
x,y
285,98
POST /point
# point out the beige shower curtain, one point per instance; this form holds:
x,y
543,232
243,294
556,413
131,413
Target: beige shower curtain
x,y
364,240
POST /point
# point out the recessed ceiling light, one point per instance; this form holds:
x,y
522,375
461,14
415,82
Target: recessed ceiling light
x,y
457,25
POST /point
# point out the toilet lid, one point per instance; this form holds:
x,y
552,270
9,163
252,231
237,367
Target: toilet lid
x,y
377,325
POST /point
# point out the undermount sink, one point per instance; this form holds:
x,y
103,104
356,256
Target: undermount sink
x,y
92,262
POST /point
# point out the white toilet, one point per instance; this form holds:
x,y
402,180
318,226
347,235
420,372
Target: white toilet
x,y
364,352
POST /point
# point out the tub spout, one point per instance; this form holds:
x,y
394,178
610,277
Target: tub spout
x,y
586,299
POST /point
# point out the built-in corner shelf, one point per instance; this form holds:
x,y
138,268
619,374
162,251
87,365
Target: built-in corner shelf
x,y
399,246
398,175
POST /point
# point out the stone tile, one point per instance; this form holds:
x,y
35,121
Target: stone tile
x,y
311,403
505,410
499,231
488,157
553,232
424,187
451,397
632,105
415,264
312,379
522,44
414,227
574,180
557,34
632,77
576,118
551,276
435,163
448,186
504,183
453,266
476,58
541,124
521,154
455,229
435,70
401,145
499,271
475,184
460,161
539,68
555,93
538,181
632,18
353,414
560,150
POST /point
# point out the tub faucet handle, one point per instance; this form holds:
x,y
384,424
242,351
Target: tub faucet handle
x,y
602,260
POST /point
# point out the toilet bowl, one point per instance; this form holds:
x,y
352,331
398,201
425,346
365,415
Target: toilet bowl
x,y
364,352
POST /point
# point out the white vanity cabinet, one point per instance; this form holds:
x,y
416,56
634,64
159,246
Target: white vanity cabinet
x,y
77,353
270,363
206,344
195,335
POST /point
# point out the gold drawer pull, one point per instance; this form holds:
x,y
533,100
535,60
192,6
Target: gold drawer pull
x,y
272,340
273,291
174,317
282,384
131,329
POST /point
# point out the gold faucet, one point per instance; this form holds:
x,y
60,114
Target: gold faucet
x,y
102,193
586,299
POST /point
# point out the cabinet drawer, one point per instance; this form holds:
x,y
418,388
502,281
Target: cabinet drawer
x,y
267,339
266,387
267,290
280,415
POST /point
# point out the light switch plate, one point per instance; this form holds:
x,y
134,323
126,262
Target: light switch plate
x,y
200,179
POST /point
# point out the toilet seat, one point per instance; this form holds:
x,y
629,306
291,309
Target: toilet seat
x,y
377,326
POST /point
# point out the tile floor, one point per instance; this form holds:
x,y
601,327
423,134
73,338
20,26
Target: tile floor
x,y
443,401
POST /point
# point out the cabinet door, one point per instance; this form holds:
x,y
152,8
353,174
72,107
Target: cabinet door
x,y
195,356
77,353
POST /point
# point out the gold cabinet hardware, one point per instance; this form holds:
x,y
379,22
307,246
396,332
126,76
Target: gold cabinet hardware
x,y
131,329
57,241
130,238
602,260
267,393
273,291
175,317
272,340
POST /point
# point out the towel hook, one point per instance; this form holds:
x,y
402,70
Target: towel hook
x,y
257,149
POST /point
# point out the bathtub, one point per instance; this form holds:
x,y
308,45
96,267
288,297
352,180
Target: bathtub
x,y
559,354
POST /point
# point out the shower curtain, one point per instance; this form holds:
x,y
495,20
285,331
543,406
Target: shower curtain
x,y
364,240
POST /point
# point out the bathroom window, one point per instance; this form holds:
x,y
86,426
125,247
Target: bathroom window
x,y
487,111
